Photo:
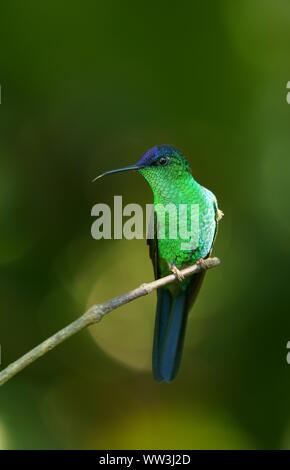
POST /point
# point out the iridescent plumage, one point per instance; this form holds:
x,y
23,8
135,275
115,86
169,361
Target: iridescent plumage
x,y
173,183
168,173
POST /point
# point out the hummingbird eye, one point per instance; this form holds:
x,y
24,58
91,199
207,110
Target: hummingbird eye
x,y
163,161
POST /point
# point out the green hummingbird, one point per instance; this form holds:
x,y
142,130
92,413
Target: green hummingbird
x,y
168,174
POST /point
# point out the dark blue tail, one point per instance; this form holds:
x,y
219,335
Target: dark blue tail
x,y
170,324
171,316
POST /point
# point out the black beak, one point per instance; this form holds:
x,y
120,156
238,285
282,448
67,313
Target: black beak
x,y
119,170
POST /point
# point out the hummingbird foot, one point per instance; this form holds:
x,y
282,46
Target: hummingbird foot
x,y
219,215
201,262
177,273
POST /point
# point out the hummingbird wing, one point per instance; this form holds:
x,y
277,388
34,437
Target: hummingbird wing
x,y
153,244
164,304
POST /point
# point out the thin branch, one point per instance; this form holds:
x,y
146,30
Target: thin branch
x,y
94,315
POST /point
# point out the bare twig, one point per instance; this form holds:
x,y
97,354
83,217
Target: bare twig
x,y
94,315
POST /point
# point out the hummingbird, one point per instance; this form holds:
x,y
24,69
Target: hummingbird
x,y
169,176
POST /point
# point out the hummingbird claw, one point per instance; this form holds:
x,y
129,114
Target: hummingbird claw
x,y
177,273
200,262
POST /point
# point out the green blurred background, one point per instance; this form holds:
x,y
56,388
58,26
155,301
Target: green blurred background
x,y
89,86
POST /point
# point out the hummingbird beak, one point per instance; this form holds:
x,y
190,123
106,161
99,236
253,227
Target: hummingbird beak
x,y
119,170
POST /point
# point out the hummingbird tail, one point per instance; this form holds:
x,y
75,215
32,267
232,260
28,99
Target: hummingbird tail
x,y
170,324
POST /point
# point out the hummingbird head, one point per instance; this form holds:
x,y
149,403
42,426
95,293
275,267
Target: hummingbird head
x,y
159,166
